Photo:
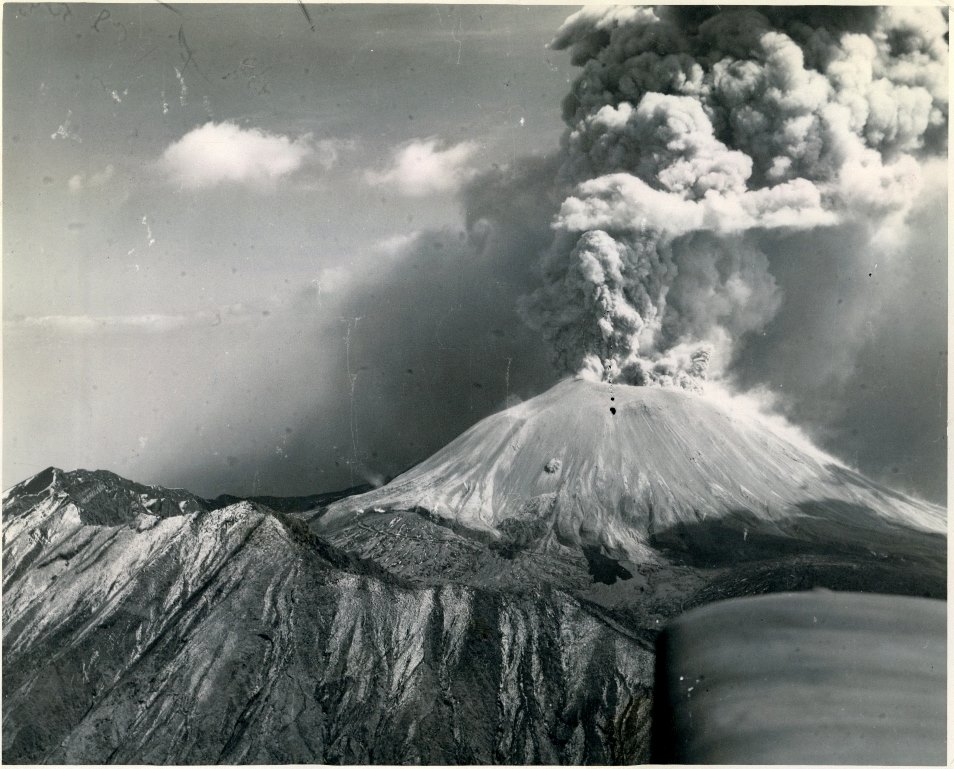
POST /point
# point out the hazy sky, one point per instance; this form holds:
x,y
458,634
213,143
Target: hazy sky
x,y
248,251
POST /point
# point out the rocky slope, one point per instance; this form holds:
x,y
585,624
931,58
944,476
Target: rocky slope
x,y
235,636
497,604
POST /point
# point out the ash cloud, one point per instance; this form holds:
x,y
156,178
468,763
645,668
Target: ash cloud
x,y
857,352
693,133
435,340
421,341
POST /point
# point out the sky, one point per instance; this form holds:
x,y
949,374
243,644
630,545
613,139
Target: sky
x,y
254,250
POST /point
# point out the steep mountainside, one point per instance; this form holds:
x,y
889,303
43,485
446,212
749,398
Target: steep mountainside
x,y
235,636
497,604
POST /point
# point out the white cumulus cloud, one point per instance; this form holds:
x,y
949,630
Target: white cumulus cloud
x,y
423,167
218,153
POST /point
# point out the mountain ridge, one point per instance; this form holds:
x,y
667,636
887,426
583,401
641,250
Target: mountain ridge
x,y
197,639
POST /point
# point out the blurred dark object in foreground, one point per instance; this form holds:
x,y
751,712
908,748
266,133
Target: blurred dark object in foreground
x,y
804,678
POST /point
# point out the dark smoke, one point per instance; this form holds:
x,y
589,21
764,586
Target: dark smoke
x,y
690,133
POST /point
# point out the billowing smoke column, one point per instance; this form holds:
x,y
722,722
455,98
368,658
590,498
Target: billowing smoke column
x,y
691,129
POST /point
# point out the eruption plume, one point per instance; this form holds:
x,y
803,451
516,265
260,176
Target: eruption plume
x,y
690,131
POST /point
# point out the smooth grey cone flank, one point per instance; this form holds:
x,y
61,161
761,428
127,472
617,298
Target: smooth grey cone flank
x,y
616,465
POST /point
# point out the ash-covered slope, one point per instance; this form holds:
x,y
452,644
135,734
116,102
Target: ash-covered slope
x,y
623,468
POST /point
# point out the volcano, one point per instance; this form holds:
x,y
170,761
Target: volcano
x,y
498,603
621,468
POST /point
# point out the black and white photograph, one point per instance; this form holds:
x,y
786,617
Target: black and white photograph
x,y
512,384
